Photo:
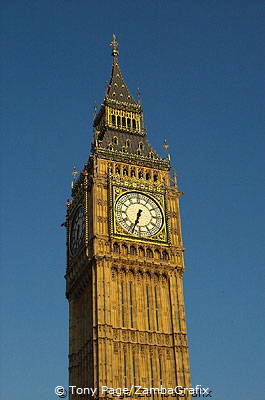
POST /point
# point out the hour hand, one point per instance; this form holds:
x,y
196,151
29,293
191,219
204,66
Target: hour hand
x,y
137,219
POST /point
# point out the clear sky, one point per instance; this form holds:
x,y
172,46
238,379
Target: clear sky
x,y
200,67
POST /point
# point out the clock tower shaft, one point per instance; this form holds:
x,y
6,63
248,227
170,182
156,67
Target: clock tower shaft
x,y
127,325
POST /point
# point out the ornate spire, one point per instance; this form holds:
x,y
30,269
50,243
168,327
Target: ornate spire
x,y
117,89
119,132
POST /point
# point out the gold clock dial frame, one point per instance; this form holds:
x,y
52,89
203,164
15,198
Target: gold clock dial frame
x,y
155,194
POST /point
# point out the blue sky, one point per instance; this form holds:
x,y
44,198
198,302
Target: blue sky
x,y
200,69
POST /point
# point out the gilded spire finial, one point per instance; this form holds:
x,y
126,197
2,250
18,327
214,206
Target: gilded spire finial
x,y
114,44
139,96
166,147
74,174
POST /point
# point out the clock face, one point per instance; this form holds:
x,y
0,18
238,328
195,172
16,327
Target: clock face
x,y
139,214
77,230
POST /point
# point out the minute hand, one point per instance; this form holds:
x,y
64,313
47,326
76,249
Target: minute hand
x,y
137,219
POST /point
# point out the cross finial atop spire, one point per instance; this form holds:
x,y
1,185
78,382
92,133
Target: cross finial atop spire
x,y
114,44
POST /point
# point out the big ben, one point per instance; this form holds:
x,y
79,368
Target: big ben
x,y
125,265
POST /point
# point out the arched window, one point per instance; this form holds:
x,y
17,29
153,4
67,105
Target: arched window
x,y
157,254
165,255
115,140
133,251
124,122
132,172
113,120
134,124
147,176
140,175
141,146
149,253
118,120
124,249
155,177
125,172
141,251
128,122
110,147
116,248
117,170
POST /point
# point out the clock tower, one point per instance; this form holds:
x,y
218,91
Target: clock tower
x,y
125,260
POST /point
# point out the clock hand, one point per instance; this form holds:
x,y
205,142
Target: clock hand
x,y
137,219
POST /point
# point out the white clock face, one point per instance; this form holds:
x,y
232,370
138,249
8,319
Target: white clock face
x,y
139,214
77,230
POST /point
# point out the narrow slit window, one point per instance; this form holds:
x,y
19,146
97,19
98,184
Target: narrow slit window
x,y
131,304
134,124
160,370
133,370
113,120
152,374
122,304
119,120
156,309
148,308
124,122
124,370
